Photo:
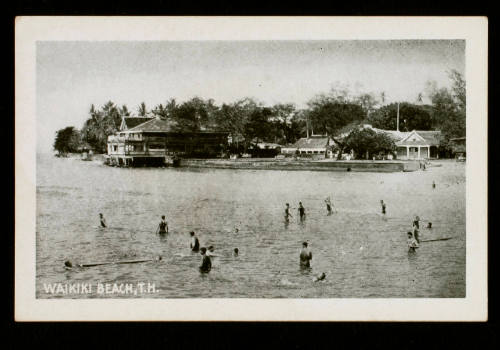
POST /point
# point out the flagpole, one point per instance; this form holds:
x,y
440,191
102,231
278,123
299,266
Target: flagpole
x,y
397,121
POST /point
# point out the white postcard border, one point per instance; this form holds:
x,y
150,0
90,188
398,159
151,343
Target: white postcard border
x,y
29,30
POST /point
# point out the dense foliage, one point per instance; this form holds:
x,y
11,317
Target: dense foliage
x,y
335,113
366,143
448,112
411,117
67,140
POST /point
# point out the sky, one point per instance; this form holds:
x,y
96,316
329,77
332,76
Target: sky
x,y
73,75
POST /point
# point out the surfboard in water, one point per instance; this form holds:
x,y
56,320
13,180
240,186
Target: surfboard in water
x,y
114,262
437,239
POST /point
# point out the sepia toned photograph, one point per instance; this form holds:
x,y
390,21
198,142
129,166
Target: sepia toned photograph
x,y
264,169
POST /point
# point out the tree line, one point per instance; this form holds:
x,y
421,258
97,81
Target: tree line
x,y
247,120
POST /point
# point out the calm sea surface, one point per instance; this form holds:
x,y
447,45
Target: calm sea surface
x,y
362,253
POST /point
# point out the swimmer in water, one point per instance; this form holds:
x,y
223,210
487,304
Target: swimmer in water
x,y
206,263
287,213
305,256
162,226
102,219
412,243
235,252
382,204
320,277
195,243
302,212
429,225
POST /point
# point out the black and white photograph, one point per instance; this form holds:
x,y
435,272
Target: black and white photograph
x,y
222,168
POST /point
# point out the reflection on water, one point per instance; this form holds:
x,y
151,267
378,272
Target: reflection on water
x,y
362,253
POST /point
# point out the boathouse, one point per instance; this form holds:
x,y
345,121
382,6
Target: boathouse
x,y
157,142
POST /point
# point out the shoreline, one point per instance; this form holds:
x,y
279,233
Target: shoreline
x,y
378,166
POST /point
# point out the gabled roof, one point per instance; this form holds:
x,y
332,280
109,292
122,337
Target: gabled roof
x,y
311,142
421,137
415,137
131,122
154,125
157,125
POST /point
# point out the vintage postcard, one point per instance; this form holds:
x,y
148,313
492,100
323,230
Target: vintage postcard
x,y
251,168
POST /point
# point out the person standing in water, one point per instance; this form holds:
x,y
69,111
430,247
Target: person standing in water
x,y
287,213
195,243
382,204
328,206
412,243
235,252
206,263
433,185
302,212
102,219
416,228
305,256
162,226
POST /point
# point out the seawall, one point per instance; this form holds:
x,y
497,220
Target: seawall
x,y
307,165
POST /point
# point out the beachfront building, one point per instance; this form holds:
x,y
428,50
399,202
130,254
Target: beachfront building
x,y
419,144
318,145
156,141
416,144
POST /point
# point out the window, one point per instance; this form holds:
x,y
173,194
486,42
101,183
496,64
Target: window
x,y
115,148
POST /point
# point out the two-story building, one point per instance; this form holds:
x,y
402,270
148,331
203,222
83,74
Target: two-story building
x,y
155,142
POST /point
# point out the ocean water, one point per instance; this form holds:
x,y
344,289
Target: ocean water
x,y
363,253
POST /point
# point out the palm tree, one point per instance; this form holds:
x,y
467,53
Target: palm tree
x,y
142,110
420,97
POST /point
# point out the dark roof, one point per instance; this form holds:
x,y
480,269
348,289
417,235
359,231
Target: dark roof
x,y
432,137
131,122
163,126
155,125
311,142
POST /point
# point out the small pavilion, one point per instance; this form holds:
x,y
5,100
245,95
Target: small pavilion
x,y
419,145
